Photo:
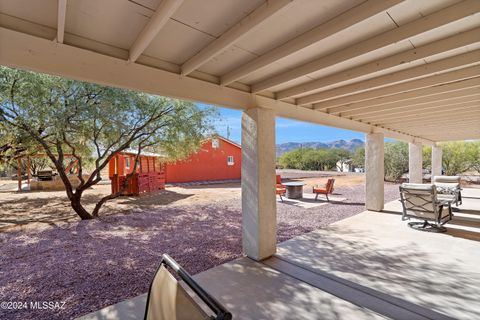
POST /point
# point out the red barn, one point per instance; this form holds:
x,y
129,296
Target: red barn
x,y
217,159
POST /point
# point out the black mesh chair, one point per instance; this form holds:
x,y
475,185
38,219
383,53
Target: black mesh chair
x,y
168,300
420,201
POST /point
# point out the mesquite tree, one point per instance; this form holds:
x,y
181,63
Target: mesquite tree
x,y
93,123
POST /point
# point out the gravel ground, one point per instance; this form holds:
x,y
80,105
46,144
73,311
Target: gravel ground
x,y
92,264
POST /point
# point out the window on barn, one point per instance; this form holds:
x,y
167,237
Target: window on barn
x,y
127,162
215,143
230,161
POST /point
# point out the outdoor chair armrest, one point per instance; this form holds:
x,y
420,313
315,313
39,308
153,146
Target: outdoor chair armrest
x,y
443,202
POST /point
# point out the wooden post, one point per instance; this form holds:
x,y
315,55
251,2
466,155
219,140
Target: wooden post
x,y
19,174
28,172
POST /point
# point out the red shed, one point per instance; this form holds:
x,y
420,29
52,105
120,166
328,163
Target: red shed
x,y
150,175
217,159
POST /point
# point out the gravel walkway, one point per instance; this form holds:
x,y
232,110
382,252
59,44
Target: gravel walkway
x,y
92,264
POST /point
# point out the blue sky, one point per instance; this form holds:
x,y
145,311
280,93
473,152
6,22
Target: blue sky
x,y
286,130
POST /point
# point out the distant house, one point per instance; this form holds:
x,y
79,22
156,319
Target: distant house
x,y
217,159
345,166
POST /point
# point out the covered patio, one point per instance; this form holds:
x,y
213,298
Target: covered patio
x,y
407,70
370,266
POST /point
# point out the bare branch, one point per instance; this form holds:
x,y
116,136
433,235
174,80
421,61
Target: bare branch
x,y
79,159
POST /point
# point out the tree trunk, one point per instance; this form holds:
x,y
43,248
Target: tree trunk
x,y
78,208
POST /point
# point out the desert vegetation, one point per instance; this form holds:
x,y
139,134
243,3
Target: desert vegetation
x,y
458,157
92,123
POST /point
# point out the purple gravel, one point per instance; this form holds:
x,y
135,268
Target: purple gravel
x,y
93,264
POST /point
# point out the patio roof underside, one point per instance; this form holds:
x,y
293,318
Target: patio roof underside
x,y
409,69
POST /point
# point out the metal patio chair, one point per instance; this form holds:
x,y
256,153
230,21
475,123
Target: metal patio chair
x,y
168,300
449,185
420,201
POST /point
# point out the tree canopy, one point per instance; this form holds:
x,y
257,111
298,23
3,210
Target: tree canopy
x,y
313,159
93,122
458,157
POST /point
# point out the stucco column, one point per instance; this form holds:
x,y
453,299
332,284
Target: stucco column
x,y
437,155
374,172
259,209
415,162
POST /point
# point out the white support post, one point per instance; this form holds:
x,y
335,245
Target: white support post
x,y
437,154
374,172
415,162
258,183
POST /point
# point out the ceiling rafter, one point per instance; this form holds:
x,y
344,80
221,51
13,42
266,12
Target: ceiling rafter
x,y
85,65
158,20
346,19
427,112
422,101
446,128
437,79
392,78
449,130
416,27
407,97
234,34
430,49
415,120
432,107
61,15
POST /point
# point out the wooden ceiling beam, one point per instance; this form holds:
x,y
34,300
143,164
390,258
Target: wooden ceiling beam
x,y
234,34
85,65
451,97
62,13
439,131
446,105
437,79
430,49
442,17
414,120
417,114
396,77
406,97
158,20
355,15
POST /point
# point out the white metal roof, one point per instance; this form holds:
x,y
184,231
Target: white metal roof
x,y
407,68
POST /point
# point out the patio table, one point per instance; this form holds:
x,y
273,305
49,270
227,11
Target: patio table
x,y
294,190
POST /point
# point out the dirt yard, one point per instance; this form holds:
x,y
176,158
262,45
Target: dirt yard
x,y
39,209
48,254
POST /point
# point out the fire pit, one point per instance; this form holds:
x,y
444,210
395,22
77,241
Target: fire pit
x,y
294,190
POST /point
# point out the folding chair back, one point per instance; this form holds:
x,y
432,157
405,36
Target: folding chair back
x,y
168,300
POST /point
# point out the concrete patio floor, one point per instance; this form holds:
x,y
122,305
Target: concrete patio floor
x,y
368,266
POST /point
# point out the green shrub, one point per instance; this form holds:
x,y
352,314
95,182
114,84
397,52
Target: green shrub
x,y
396,160
313,159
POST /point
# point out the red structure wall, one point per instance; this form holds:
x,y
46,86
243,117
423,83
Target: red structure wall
x,y
149,176
208,164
